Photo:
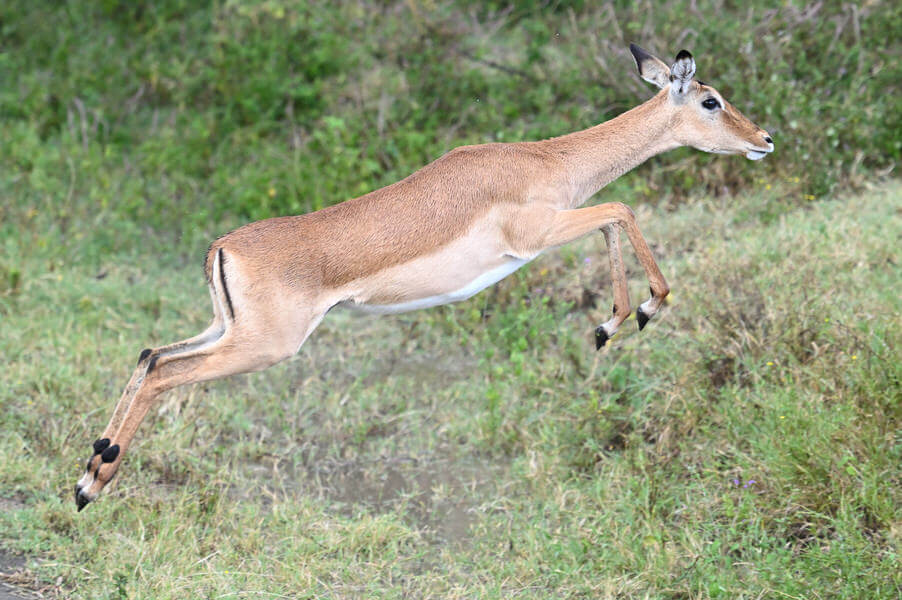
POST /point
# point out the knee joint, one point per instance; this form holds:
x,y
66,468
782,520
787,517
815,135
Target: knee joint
x,y
626,211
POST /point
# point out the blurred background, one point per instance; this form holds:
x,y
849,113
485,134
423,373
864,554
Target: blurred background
x,y
195,111
745,445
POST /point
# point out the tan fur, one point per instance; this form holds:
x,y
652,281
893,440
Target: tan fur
x,y
392,225
465,219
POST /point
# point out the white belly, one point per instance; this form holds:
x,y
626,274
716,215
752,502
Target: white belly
x,y
476,285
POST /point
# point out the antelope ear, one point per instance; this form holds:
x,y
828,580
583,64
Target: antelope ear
x,y
681,73
651,69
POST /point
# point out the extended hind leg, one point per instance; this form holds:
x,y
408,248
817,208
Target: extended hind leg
x,y
243,347
209,335
103,447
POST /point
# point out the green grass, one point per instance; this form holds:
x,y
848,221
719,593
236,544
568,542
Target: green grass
x,y
485,449
480,450
183,112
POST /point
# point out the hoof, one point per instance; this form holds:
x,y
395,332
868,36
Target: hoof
x,y
110,454
81,500
641,318
601,337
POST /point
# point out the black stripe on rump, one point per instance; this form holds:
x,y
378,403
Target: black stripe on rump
x,y
225,288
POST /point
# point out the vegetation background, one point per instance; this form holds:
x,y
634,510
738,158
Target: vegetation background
x,y
746,445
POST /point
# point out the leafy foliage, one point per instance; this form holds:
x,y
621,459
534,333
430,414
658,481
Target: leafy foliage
x,y
277,106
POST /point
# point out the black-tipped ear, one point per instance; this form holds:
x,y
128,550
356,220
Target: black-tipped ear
x,y
681,73
651,68
639,54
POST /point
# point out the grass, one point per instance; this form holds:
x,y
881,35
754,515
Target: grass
x,y
744,446
174,103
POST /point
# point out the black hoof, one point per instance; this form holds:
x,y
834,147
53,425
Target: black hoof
x,y
110,454
601,337
642,318
81,500
101,445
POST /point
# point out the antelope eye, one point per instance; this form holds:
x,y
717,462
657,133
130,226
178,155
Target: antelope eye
x,y
710,103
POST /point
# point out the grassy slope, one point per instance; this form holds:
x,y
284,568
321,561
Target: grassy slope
x,y
483,449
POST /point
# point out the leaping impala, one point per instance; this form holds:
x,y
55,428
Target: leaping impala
x,y
456,226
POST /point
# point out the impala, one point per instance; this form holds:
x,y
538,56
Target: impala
x,y
456,226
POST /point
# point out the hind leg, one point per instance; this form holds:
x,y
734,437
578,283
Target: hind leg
x,y
209,335
213,332
248,333
238,350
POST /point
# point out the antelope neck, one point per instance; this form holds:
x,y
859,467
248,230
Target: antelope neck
x,y
596,156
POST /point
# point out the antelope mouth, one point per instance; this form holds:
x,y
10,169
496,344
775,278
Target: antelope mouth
x,y
757,154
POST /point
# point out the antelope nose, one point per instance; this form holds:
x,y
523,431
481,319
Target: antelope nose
x,y
768,140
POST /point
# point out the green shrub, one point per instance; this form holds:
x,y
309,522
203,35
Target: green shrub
x,y
279,106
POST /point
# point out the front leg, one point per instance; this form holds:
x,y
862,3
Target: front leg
x,y
621,309
657,284
569,225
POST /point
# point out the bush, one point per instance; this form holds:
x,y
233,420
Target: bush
x,y
252,109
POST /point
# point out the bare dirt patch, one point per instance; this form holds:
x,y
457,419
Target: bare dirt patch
x,y
439,491
440,494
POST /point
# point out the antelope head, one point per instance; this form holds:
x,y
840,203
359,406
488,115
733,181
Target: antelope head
x,y
701,117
